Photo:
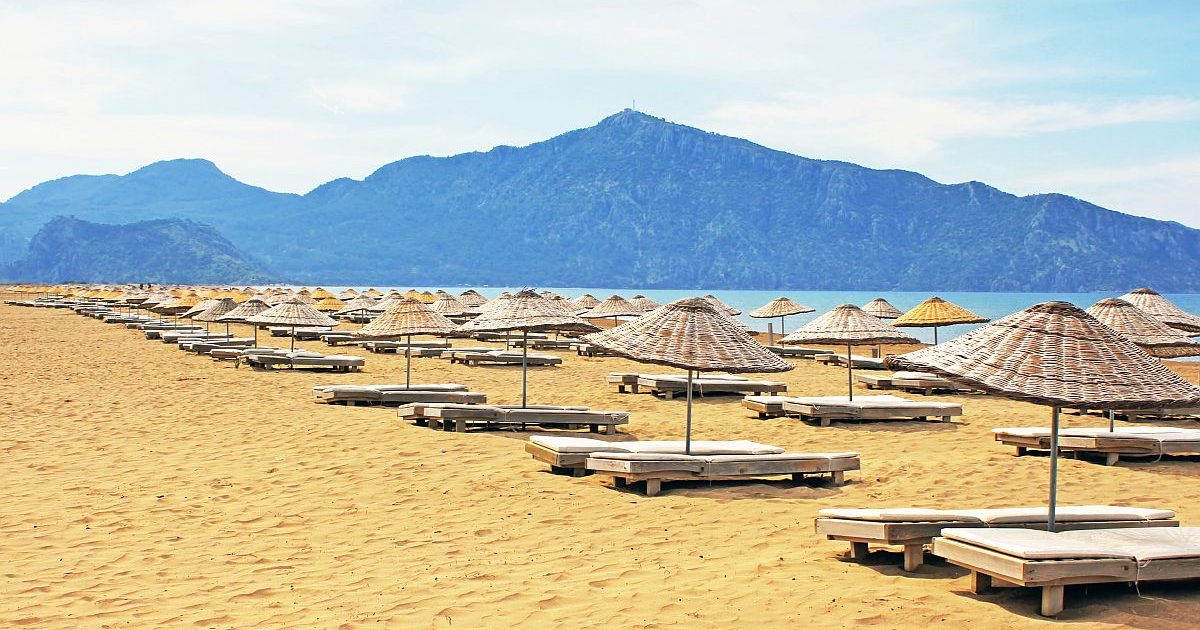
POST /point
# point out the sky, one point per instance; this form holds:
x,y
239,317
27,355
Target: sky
x,y
1097,99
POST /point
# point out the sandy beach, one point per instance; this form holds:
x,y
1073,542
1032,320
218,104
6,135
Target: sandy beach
x,y
148,487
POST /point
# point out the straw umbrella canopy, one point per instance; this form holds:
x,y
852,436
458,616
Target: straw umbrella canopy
x,y
527,312
405,319
360,304
1151,335
319,294
472,298
215,311
293,313
780,307
1163,310
587,300
644,303
244,312
347,295
689,334
449,306
850,325
936,312
613,306
329,305
712,299
387,302
199,307
427,298
177,306
881,308
1055,354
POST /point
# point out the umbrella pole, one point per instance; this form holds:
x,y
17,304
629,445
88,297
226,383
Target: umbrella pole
x,y
687,436
1112,420
408,364
935,335
850,370
782,332
293,339
1053,471
524,366
254,327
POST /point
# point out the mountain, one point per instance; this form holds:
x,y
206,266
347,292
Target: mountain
x,y
164,251
191,189
636,201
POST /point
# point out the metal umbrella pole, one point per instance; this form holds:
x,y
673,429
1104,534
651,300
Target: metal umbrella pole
x,y
687,443
1053,471
524,366
408,364
850,370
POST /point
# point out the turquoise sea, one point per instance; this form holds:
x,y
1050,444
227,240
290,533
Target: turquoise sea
x,y
990,305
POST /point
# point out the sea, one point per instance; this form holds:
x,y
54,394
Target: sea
x,y
986,304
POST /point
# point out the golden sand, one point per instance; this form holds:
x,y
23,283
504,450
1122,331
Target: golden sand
x,y
144,486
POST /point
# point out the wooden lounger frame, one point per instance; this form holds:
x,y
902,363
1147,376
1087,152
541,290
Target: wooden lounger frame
x,y
1052,576
915,535
670,388
473,359
623,472
808,411
1111,448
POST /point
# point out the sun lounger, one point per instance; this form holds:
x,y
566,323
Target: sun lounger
x,y
655,468
396,394
826,409
157,333
628,381
568,455
398,347
235,353
459,417
1053,560
512,336
547,344
798,351
307,360
502,357
308,332
1142,441
177,336
585,349
913,528
445,353
914,382
205,346
860,362
669,386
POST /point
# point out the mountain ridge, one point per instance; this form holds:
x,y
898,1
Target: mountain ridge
x,y
636,201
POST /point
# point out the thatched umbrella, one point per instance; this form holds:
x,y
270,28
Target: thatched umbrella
x,y
613,306
721,306
319,294
329,305
198,307
387,302
292,312
644,303
527,312
215,311
689,334
1138,326
405,319
472,298
449,306
847,324
587,300
177,305
936,312
243,313
1163,310
347,295
1054,354
359,304
780,307
881,308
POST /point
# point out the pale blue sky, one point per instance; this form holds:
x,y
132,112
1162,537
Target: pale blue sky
x,y
1097,99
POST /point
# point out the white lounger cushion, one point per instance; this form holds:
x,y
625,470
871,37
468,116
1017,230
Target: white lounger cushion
x,y
1001,516
1141,545
699,447
1118,432
713,459
1035,544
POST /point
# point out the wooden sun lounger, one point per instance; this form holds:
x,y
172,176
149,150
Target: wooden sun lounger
x,y
913,382
513,336
1132,415
1053,561
397,347
860,362
798,351
547,344
672,386
311,361
568,455
395,394
235,353
1130,441
458,417
471,359
912,528
628,381
655,468
446,353
206,346
826,409
174,336
157,333
584,349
